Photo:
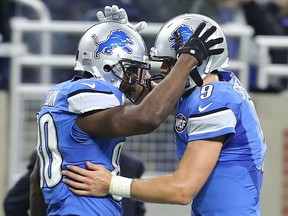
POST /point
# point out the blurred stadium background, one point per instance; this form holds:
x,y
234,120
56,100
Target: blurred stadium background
x,y
35,67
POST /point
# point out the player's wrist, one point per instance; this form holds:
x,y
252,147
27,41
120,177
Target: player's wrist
x,y
188,60
194,47
120,186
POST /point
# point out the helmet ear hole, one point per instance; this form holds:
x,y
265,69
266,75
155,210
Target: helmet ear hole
x,y
107,68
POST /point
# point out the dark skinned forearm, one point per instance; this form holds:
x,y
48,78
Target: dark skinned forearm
x,y
37,203
123,121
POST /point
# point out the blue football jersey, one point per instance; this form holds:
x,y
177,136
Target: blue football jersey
x,y
224,109
61,143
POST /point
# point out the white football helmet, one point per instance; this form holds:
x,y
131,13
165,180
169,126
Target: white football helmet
x,y
186,24
112,52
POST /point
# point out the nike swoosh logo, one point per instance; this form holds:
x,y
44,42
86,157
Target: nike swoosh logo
x,y
89,85
201,109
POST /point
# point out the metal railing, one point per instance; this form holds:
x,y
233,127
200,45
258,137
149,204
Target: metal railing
x,y
265,67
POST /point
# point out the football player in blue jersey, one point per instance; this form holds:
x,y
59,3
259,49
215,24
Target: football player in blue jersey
x,y
85,119
219,140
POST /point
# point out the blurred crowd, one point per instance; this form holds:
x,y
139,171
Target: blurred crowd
x,y
266,17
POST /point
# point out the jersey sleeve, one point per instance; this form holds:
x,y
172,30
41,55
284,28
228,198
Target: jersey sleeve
x,y
211,124
90,95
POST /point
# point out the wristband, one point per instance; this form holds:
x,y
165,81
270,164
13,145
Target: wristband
x,y
120,186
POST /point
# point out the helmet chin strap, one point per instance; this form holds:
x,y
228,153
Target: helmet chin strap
x,y
96,73
196,77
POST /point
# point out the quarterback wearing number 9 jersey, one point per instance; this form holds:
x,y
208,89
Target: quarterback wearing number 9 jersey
x,y
224,109
218,108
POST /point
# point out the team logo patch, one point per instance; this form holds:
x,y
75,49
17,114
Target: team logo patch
x,y
51,98
185,31
180,123
116,39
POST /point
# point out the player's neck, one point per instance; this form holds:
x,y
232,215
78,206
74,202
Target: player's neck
x,y
210,78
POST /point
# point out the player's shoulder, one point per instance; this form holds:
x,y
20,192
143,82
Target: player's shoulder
x,y
213,97
91,94
90,85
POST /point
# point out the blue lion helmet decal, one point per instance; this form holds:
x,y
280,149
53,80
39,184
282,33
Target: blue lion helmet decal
x,y
185,31
117,38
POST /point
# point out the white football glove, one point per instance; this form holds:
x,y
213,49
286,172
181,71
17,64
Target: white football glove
x,y
115,14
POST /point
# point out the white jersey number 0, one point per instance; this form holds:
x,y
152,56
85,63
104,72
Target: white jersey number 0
x,y
50,159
